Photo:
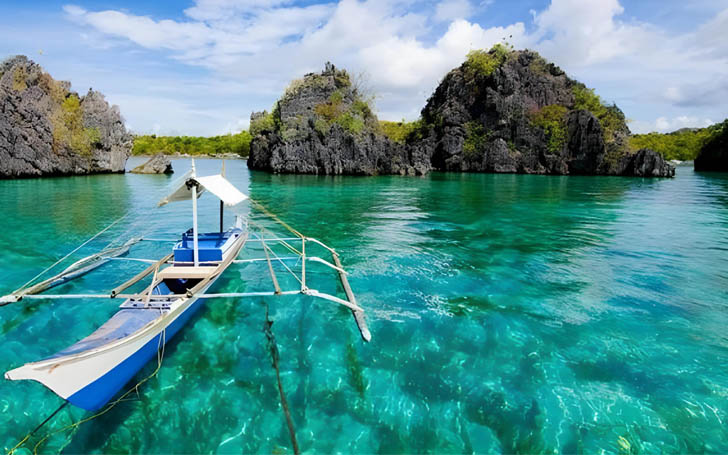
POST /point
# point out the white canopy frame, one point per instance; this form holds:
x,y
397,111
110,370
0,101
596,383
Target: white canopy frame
x,y
190,186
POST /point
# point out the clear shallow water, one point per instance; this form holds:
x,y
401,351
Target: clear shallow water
x,y
509,313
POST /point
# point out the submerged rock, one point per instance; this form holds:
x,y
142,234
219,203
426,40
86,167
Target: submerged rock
x,y
46,129
713,156
158,164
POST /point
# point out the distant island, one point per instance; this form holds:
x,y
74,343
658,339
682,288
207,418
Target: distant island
x,y
502,110
225,145
684,144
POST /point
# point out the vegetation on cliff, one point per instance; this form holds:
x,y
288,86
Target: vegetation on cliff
x,y
324,123
482,63
399,132
713,155
501,110
610,117
552,120
48,129
68,129
66,112
344,104
238,144
263,123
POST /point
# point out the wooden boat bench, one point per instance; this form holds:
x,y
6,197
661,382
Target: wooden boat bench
x,y
200,272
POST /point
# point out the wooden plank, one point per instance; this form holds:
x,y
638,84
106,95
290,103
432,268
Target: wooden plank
x,y
190,272
361,323
141,275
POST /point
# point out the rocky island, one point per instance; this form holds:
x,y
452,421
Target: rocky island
x,y
500,111
323,125
47,129
713,155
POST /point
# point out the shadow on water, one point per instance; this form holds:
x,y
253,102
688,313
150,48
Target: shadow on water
x,y
714,185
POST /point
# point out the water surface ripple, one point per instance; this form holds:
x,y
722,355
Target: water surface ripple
x,y
509,313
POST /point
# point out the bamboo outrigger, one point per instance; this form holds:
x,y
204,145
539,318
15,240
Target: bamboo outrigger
x,y
90,372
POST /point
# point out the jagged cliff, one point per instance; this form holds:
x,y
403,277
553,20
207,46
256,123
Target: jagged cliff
x,y
512,111
500,111
46,129
322,125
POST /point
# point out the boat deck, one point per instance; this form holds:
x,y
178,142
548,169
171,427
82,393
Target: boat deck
x,y
122,324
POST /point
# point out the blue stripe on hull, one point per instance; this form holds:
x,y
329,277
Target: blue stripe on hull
x,y
98,393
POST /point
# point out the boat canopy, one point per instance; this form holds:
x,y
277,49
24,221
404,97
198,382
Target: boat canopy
x,y
215,184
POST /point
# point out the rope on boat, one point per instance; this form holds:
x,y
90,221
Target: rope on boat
x,y
275,356
266,247
262,208
75,425
69,254
280,240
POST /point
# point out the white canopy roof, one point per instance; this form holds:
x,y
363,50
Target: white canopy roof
x,y
215,184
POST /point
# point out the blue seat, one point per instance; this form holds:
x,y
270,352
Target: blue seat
x,y
209,246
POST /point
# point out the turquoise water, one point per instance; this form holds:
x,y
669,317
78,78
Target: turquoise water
x,y
509,313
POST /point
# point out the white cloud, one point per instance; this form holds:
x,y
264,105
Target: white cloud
x,y
74,10
214,10
665,125
263,44
448,10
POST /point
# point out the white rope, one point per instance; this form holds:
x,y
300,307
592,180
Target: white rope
x,y
279,240
279,259
69,254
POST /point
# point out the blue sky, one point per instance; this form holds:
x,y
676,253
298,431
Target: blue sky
x,y
201,67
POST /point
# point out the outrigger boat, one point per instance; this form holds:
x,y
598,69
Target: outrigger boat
x,y
90,372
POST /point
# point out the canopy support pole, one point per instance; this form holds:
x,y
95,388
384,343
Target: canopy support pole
x,y
221,211
221,203
194,224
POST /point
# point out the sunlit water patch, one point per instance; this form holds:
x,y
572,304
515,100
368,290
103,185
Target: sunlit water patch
x,y
509,313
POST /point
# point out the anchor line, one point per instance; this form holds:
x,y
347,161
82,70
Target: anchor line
x,y
75,425
275,356
29,435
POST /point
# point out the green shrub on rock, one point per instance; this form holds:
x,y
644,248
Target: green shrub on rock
x,y
399,131
475,138
350,122
552,119
482,63
353,117
19,79
610,117
321,126
68,129
263,123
